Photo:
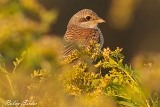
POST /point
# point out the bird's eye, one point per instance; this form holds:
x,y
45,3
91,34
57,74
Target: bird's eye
x,y
88,17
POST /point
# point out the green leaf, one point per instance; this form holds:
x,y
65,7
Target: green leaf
x,y
2,65
127,104
1,61
155,100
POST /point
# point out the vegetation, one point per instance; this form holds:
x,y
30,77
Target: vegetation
x,y
38,77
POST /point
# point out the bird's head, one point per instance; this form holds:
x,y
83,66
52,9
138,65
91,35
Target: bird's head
x,y
85,18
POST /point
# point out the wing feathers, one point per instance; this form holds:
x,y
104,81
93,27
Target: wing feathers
x,y
79,37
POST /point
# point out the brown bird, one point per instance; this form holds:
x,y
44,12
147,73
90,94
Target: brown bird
x,y
81,29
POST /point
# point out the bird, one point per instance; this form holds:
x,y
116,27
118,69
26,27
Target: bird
x,y
81,29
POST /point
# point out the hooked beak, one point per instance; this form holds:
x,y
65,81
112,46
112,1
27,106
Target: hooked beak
x,y
100,20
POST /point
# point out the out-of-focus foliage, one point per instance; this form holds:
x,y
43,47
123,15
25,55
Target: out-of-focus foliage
x,y
149,69
121,13
33,77
21,23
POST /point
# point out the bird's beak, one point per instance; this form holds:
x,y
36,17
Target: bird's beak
x,y
99,20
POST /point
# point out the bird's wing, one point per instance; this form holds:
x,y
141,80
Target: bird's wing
x,y
79,37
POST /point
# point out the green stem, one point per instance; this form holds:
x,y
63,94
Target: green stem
x,y
10,83
139,89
